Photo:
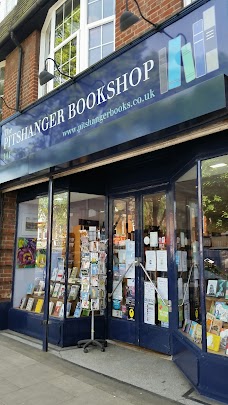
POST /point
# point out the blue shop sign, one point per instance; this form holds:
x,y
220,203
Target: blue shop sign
x,y
99,110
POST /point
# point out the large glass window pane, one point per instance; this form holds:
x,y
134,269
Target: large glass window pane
x,y
155,260
123,298
30,271
95,37
87,255
215,251
106,50
187,256
94,55
108,8
108,33
94,11
58,257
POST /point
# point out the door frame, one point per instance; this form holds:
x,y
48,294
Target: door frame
x,y
125,330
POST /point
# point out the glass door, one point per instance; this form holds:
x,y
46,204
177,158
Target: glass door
x,y
153,275
139,308
122,325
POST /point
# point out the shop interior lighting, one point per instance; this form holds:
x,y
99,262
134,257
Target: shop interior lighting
x,y
46,76
215,166
127,19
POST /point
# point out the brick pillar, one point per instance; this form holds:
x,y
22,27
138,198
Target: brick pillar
x,y
29,74
7,235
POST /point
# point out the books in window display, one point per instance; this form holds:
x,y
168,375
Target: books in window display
x,y
221,289
78,310
30,303
61,312
212,287
23,303
213,342
39,305
61,292
51,307
72,275
57,309
221,311
216,327
74,289
56,290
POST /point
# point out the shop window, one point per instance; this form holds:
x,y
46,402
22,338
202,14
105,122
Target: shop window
x,y
30,271
58,255
78,268
76,34
155,258
2,76
5,7
215,251
83,271
187,256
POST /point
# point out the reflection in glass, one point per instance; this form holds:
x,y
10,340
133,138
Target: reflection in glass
x,y
215,251
187,255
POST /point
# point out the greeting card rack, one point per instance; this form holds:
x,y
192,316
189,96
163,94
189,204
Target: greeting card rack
x,y
93,275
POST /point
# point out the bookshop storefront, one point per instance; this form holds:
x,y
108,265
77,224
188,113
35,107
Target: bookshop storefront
x,y
122,201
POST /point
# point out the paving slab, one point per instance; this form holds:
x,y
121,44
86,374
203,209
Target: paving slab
x,y
122,374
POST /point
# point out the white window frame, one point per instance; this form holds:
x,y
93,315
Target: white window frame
x,y
96,24
82,40
5,9
188,2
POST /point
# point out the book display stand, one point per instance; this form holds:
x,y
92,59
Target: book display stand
x,y
93,281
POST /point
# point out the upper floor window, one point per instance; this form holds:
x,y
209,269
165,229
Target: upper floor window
x,y
187,2
5,7
76,34
2,74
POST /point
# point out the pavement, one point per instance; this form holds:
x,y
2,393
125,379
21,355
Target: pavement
x,y
122,375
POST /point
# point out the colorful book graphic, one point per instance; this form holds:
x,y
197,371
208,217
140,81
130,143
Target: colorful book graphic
x,y
188,62
199,48
210,39
163,72
174,62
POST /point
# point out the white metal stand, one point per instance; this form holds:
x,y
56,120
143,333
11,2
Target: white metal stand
x,y
101,343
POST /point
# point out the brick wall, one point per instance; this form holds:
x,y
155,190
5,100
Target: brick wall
x,y
7,234
29,79
154,10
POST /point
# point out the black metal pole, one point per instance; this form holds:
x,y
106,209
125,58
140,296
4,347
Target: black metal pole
x,y
201,262
48,265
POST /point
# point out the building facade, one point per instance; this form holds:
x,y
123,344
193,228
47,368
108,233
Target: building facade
x,y
114,177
